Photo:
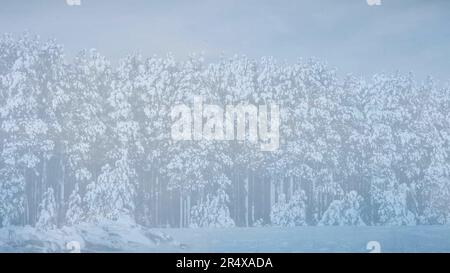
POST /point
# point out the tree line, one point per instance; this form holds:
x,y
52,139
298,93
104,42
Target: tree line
x,y
83,140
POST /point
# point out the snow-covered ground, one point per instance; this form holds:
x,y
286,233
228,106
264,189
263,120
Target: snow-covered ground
x,y
315,239
125,237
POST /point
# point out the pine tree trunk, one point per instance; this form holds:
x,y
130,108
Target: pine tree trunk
x,y
291,187
188,210
157,200
35,199
62,189
252,215
246,200
272,194
181,210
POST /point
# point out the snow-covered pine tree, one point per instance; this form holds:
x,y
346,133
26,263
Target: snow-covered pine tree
x,y
112,194
85,143
74,213
47,211
12,188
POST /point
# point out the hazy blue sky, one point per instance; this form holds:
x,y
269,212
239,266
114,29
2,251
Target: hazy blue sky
x,y
408,35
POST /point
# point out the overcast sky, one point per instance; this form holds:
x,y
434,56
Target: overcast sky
x,y
350,35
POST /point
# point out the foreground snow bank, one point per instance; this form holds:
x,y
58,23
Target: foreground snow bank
x,y
105,236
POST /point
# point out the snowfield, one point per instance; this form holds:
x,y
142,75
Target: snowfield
x,y
124,237
315,239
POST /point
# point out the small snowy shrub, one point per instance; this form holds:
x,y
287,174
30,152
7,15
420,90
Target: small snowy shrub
x,y
393,208
213,212
47,211
289,213
344,212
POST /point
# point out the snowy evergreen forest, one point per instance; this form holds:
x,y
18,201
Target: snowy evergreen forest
x,y
84,140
